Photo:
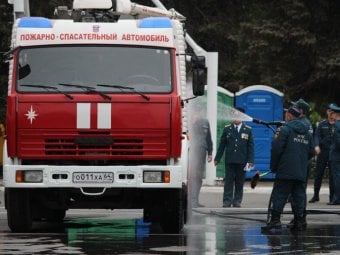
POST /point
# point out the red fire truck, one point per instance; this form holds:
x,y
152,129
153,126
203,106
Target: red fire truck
x,y
97,113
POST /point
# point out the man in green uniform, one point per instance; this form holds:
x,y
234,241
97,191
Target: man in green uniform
x,y
238,143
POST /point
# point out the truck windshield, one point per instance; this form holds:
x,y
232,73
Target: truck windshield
x,y
146,70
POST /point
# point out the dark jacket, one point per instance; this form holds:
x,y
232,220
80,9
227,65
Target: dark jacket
x,y
309,125
238,146
323,135
291,150
334,154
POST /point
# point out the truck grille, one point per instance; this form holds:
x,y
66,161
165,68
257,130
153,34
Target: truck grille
x,y
69,147
122,145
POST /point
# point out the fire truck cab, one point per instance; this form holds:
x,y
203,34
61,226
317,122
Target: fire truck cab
x,y
96,113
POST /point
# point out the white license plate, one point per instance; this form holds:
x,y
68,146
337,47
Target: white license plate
x,y
91,177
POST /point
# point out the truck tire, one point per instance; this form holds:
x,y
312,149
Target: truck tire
x,y
172,219
19,215
56,215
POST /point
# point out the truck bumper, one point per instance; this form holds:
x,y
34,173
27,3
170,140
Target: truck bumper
x,y
92,176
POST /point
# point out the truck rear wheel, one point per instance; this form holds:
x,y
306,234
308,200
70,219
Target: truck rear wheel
x,y
19,215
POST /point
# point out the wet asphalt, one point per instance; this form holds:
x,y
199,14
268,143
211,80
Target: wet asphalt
x,y
210,230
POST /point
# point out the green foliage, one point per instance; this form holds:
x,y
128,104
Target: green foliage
x,y
291,45
6,21
314,116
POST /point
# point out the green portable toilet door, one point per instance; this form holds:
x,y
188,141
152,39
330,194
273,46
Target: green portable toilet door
x,y
225,100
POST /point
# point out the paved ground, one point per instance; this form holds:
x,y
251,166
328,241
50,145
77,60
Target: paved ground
x,y
210,230
211,196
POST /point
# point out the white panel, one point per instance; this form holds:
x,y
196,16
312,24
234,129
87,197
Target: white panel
x,y
123,6
91,4
104,116
83,115
19,5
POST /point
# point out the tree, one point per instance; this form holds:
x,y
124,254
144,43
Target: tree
x,y
6,21
291,45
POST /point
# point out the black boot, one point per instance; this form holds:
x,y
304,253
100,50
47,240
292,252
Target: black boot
x,y
300,223
275,222
291,223
314,199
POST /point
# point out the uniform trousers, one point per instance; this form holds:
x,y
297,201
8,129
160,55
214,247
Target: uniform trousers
x,y
233,184
335,165
282,189
197,168
321,164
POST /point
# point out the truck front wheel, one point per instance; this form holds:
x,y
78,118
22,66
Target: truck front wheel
x,y
172,218
19,214
56,215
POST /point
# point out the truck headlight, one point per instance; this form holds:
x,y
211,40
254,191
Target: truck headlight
x,y
156,176
29,176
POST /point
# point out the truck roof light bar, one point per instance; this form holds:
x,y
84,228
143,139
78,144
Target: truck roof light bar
x,y
152,22
90,4
35,22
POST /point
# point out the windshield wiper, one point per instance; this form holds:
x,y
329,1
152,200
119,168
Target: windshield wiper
x,y
88,89
124,87
47,88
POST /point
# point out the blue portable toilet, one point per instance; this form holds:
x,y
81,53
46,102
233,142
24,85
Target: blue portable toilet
x,y
264,103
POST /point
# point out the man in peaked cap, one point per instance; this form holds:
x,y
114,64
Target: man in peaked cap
x,y
322,140
302,105
290,153
334,108
237,144
334,154
304,109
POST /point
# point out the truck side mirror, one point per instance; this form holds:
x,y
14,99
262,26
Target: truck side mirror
x,y
199,75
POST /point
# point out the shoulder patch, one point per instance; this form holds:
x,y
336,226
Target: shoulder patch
x,y
247,126
227,125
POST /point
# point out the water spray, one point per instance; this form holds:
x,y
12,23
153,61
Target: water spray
x,y
230,113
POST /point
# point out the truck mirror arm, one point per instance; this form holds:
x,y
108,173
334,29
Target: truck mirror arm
x,y
186,100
